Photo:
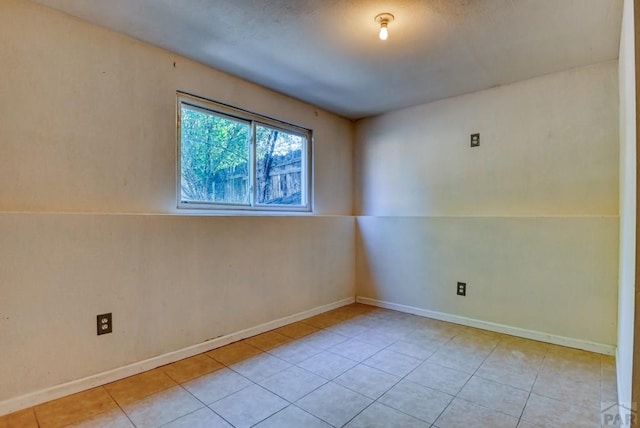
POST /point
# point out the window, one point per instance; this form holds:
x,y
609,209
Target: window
x,y
232,159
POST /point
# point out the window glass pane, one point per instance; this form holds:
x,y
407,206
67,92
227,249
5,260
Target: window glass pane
x,y
214,156
279,176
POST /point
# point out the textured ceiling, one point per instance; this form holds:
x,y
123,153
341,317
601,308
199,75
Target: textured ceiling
x,y
327,53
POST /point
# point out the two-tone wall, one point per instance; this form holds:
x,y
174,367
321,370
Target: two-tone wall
x,y
88,218
528,220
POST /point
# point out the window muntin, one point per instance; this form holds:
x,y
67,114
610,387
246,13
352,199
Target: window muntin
x,y
232,159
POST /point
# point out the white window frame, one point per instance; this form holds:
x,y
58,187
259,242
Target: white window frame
x,y
254,119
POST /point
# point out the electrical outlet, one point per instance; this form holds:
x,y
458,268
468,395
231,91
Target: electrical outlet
x,y
475,140
105,324
462,289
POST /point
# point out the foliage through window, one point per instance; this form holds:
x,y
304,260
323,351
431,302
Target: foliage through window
x,y
229,158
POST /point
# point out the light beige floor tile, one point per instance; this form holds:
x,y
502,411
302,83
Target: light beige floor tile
x,y
463,414
478,343
355,350
334,404
376,338
22,419
608,363
292,417
293,383
548,412
297,330
414,321
369,321
323,339
608,369
527,346
572,363
217,385
354,310
495,396
295,352
361,320
74,408
349,328
422,351
248,406
268,340
137,387
522,377
390,314
427,338
191,368
322,320
260,367
112,419
446,326
569,370
234,353
202,418
161,408
577,355
380,416
609,387
517,357
569,390
361,308
395,329
342,314
482,336
416,400
379,312
367,381
327,365
393,362
459,358
439,378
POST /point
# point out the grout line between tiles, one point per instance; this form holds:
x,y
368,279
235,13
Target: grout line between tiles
x,y
119,406
401,378
533,385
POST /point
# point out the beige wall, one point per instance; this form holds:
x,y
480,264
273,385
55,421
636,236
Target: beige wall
x,y
528,219
170,281
628,190
548,147
87,127
553,275
89,119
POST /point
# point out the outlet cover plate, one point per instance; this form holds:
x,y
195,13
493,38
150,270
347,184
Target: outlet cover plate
x,y
104,323
475,140
462,289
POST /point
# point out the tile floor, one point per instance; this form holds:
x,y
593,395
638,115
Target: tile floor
x,y
356,366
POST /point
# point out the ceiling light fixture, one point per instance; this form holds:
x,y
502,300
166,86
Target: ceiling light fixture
x,y
383,19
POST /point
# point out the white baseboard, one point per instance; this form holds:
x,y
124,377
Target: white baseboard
x,y
500,328
38,397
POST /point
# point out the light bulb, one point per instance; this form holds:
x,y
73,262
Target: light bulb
x,y
384,32
383,19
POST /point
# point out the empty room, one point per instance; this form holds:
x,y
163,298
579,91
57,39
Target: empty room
x,y
303,213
